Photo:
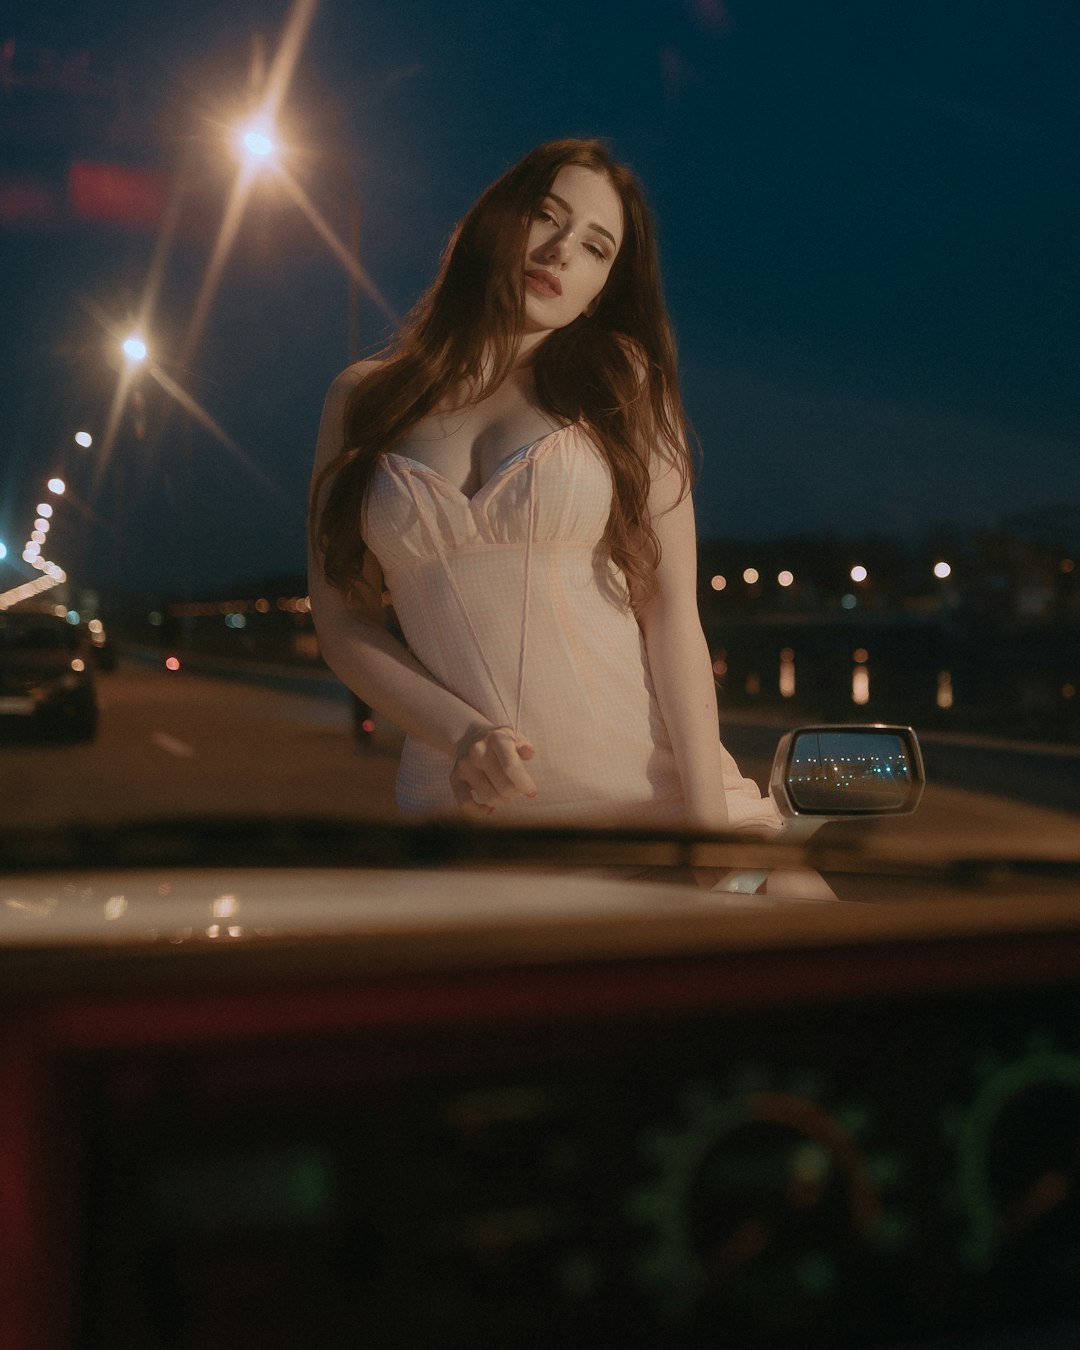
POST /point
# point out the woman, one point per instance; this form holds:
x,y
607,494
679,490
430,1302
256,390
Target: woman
x,y
516,473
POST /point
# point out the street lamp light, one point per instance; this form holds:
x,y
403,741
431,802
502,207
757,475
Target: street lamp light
x,y
258,144
134,348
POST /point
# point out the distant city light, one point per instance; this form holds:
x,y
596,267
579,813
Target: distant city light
x,y
172,663
787,673
848,601
942,570
944,697
38,537
134,348
42,524
860,685
84,439
56,486
718,583
858,573
860,654
1067,564
785,578
44,509
751,575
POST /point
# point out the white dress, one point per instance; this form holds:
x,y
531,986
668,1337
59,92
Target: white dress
x,y
509,600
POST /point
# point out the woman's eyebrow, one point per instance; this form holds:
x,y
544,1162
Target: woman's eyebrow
x,y
592,223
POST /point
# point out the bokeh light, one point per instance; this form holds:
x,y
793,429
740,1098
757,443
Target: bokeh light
x,y
258,143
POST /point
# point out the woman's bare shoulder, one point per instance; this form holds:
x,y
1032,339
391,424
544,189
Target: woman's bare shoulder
x,y
332,422
344,383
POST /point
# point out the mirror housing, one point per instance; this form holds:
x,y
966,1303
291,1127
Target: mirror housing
x,y
842,771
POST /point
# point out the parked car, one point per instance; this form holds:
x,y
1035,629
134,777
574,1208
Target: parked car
x,y
46,676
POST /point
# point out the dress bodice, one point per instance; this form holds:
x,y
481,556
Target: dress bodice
x,y
413,511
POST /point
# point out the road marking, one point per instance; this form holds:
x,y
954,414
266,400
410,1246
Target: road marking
x,y
178,748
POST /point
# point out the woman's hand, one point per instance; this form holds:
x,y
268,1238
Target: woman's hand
x,y
489,770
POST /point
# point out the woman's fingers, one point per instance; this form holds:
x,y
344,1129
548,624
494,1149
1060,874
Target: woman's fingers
x,y
491,770
468,799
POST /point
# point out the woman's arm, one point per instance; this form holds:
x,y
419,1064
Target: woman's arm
x,y
717,796
369,660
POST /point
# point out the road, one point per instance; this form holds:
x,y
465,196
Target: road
x,y
185,744
182,745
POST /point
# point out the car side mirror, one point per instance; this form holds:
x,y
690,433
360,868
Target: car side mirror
x,y
844,771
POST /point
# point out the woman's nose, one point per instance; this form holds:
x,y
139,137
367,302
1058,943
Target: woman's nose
x,y
556,247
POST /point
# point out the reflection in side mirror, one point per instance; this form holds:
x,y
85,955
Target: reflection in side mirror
x,y
839,771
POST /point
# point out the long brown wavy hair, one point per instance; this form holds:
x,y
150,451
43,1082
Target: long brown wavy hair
x,y
613,370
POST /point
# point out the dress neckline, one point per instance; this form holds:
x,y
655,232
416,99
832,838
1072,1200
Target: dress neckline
x,y
508,462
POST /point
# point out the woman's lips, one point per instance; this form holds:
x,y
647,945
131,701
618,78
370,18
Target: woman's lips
x,y
543,283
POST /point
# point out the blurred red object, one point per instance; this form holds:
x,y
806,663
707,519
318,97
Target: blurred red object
x,y
113,194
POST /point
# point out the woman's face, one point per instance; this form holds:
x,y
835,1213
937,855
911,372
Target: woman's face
x,y
572,242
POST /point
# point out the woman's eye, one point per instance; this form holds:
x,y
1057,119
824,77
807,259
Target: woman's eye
x,y
597,252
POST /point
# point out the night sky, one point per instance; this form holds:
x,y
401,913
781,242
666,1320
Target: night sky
x,y
867,213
